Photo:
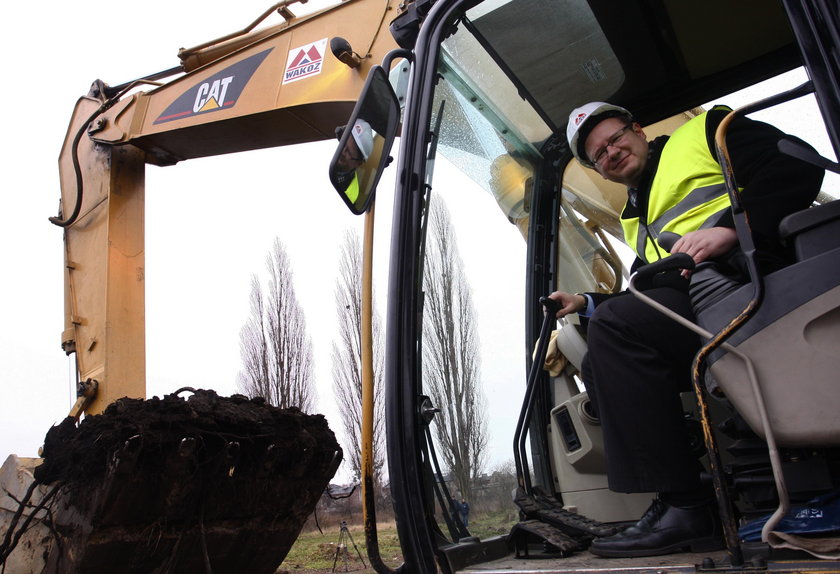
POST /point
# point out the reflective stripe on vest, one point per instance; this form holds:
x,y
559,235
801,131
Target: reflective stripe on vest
x,y
687,193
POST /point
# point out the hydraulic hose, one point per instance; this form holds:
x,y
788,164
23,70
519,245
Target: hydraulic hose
x,y
74,150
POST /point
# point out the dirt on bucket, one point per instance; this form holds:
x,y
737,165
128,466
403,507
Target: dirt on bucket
x,y
223,480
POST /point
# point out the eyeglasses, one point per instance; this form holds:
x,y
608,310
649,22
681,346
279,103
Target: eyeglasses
x,y
616,139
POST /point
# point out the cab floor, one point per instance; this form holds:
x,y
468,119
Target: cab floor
x,y
709,562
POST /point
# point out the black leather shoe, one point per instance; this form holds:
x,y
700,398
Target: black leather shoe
x,y
665,529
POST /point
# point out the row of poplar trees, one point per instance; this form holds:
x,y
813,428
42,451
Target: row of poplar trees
x,y
277,356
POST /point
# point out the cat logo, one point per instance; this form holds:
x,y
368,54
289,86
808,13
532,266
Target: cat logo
x,y
212,96
305,62
218,92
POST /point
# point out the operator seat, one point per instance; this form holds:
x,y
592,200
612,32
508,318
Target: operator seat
x,y
793,339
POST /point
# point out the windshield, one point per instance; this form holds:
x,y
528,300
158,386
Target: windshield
x,y
486,127
492,127
548,45
480,170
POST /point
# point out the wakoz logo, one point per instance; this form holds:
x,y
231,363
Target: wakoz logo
x,y
305,62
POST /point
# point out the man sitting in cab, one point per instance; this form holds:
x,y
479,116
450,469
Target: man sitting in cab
x,y
638,360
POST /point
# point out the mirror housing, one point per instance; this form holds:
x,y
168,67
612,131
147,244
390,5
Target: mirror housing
x,y
365,142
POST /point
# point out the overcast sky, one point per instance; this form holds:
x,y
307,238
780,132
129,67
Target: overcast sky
x,y
210,223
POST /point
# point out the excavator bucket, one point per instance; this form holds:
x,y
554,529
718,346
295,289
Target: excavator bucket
x,y
204,484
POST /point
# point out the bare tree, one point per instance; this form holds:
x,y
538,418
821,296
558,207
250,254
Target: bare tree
x,y
451,359
347,361
275,347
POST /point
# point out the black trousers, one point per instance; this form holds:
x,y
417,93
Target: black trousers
x,y
637,364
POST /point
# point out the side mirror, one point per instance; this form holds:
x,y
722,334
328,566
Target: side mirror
x,y
364,143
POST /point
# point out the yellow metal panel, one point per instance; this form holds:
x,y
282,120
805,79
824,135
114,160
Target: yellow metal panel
x,y
265,103
104,251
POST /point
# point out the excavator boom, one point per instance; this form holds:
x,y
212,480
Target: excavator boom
x,y
273,87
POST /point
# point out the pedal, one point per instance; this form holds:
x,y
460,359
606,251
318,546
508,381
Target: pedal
x,y
549,510
554,540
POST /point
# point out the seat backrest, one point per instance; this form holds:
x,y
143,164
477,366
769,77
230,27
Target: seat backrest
x,y
793,339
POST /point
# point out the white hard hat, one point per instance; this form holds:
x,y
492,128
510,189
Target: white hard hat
x,y
363,135
579,117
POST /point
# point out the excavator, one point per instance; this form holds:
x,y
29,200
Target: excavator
x,y
481,90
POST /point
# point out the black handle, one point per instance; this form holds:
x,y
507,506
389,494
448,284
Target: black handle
x,y
667,239
676,261
551,306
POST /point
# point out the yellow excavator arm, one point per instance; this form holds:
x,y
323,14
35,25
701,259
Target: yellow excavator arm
x,y
290,83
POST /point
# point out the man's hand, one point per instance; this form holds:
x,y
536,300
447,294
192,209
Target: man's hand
x,y
705,244
569,303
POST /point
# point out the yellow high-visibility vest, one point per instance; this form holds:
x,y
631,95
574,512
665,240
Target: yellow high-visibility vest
x,y
687,193
352,191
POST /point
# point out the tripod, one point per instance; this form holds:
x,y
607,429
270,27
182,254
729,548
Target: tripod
x,y
341,548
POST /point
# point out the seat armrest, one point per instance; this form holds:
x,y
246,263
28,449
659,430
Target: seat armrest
x,y
813,230
806,219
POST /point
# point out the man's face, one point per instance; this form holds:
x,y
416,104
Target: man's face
x,y
619,150
351,157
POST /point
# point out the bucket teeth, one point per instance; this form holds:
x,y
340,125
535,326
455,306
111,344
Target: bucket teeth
x,y
186,448
125,459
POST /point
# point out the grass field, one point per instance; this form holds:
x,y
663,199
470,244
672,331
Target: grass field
x,y
315,552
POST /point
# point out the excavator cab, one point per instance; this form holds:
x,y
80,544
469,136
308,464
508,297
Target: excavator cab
x,y
492,87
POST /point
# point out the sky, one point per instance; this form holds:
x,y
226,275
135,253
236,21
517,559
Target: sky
x,y
210,223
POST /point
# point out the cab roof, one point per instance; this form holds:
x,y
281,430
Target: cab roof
x,y
655,57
